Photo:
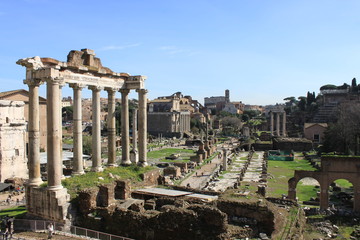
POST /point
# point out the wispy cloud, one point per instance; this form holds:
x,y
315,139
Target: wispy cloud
x,y
121,47
172,50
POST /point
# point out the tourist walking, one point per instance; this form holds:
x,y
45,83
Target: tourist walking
x,y
50,229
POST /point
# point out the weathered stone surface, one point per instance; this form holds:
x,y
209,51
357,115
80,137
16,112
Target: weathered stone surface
x,y
151,178
122,189
87,200
12,153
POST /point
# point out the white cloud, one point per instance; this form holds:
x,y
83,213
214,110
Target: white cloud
x,y
114,47
171,50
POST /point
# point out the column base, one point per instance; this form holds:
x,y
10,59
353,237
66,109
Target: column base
x,y
34,182
97,169
125,162
55,188
77,173
112,165
143,164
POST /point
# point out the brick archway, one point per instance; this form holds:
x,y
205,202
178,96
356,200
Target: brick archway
x,y
332,168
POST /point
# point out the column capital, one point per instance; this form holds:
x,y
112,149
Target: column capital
x,y
96,88
55,80
124,91
111,89
77,86
33,82
143,91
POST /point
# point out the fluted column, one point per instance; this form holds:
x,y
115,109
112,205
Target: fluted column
x,y
142,126
271,123
34,133
125,142
277,124
111,128
284,124
96,130
78,163
54,151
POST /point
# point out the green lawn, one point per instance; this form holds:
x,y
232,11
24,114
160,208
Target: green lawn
x,y
165,152
282,171
18,211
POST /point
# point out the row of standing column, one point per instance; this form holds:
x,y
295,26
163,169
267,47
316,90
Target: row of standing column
x,y
278,123
54,130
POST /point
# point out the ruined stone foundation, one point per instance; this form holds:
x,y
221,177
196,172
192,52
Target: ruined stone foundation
x,y
49,204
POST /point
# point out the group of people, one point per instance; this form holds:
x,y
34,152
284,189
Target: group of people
x,y
7,227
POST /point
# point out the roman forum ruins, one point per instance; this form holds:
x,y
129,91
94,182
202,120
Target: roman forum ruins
x,y
277,114
81,70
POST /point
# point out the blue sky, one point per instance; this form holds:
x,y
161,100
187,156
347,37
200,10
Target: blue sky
x,y
262,50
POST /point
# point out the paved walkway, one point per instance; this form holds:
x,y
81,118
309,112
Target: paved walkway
x,y
200,176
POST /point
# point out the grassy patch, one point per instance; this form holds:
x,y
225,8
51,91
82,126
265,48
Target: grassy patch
x,y
282,171
16,212
343,183
165,152
91,179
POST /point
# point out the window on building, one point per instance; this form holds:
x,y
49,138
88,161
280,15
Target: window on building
x,y
316,138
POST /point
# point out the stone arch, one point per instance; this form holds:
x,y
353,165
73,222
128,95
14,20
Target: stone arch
x,y
293,182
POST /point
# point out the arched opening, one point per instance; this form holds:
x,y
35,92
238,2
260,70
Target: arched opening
x,y
307,191
341,195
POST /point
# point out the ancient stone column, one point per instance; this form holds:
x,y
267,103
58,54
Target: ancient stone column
x,y
142,126
34,133
224,159
271,123
125,141
78,163
284,124
54,161
277,124
134,152
111,128
96,130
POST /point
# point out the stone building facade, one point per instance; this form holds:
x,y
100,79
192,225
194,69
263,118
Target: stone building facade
x,y
166,117
13,161
23,95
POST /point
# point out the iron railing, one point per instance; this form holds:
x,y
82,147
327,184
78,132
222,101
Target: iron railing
x,y
41,225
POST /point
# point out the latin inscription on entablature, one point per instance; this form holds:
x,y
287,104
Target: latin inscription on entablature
x,y
93,80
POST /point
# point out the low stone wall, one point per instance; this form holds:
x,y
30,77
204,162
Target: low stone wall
x,y
261,213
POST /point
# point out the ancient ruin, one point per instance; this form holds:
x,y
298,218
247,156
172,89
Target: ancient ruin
x,y
12,152
278,114
82,69
332,168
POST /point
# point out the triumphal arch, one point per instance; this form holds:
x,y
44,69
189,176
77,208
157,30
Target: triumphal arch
x,y
332,168
82,69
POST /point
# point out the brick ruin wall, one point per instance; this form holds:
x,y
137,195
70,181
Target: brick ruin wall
x,y
170,218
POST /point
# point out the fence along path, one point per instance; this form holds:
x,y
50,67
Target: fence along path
x,y
61,229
